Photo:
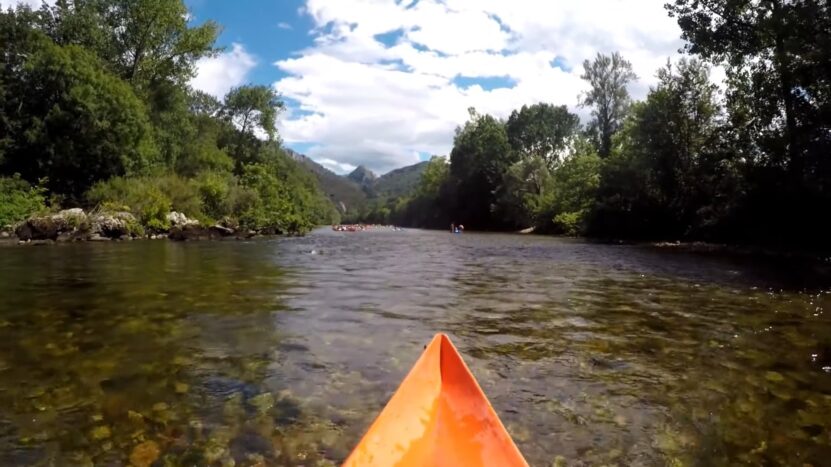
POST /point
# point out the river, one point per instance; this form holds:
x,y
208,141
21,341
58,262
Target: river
x,y
282,351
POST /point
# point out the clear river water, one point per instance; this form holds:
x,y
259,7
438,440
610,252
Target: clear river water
x,y
282,351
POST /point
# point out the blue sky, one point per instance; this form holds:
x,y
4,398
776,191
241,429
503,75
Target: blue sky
x,y
384,83
269,30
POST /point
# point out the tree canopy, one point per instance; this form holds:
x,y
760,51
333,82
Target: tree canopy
x,y
608,97
542,130
95,110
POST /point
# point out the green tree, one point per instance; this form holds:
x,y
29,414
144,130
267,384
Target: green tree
x,y
204,152
664,153
151,40
202,103
429,206
525,190
433,178
542,130
779,101
608,76
72,122
481,154
782,46
575,185
145,42
251,107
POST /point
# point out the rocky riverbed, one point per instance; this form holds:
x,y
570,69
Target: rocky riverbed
x,y
76,225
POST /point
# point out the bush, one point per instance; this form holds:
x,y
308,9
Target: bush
x,y
145,200
213,190
19,200
570,223
275,208
183,194
76,123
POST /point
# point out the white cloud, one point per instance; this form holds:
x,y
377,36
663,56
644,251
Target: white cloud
x,y
284,25
336,166
217,75
32,3
366,101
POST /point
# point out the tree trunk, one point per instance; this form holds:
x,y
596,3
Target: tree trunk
x,y
783,63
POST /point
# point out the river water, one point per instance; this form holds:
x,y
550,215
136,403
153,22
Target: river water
x,y
282,351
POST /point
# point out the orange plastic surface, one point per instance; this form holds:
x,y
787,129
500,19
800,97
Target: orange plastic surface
x,y
439,416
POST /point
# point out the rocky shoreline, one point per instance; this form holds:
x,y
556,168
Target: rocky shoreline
x,y
76,225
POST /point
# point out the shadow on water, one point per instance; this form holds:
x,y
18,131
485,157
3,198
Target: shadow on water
x,y
281,352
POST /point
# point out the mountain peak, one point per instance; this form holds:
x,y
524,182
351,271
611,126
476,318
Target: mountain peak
x,y
362,176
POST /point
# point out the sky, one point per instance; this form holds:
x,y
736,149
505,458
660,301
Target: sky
x,y
384,83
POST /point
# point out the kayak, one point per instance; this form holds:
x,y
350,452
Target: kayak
x,y
439,416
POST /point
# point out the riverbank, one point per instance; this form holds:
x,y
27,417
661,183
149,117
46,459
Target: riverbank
x,y
726,249
76,225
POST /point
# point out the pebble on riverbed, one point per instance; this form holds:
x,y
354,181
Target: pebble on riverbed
x,y
144,454
100,432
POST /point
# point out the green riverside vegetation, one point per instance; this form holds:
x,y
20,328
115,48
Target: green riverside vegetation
x,y
95,112
749,164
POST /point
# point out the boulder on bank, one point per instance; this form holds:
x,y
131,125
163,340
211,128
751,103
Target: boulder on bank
x,y
198,232
177,219
68,225
114,225
183,228
222,231
189,232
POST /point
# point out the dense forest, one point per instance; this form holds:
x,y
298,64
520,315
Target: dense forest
x,y
96,112
749,164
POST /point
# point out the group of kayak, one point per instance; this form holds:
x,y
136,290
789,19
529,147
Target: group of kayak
x,y
362,227
438,416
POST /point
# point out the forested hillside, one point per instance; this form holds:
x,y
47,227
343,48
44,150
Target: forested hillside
x,y
359,194
399,182
347,196
690,162
95,111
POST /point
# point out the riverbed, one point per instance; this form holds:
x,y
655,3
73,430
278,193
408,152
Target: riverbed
x,y
282,351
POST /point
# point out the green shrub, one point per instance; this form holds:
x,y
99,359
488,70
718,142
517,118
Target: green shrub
x,y
19,200
135,229
183,194
143,198
214,189
274,208
154,210
570,223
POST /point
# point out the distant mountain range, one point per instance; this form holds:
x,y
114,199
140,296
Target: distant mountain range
x,y
351,192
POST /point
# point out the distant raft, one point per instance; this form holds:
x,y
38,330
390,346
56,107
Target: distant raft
x,y
439,416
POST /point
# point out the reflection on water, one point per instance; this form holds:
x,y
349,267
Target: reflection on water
x,y
281,352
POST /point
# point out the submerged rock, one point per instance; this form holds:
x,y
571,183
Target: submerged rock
x,y
100,432
262,402
144,454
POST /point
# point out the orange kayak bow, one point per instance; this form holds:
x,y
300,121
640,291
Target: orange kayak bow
x,y
439,416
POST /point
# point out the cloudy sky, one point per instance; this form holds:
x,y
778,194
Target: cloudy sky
x,y
384,83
